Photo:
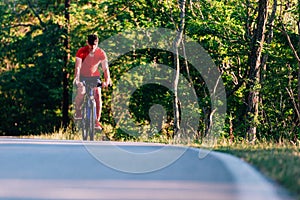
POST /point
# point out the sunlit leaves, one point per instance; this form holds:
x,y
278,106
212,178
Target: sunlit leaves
x,y
32,50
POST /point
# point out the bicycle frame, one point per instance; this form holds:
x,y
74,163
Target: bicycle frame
x,y
89,109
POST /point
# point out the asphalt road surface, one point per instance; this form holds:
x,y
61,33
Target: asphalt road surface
x,y
43,169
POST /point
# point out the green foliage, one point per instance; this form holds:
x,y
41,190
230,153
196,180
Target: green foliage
x,y
147,96
30,84
32,61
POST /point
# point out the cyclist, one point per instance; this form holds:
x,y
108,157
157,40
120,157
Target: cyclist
x,y
88,59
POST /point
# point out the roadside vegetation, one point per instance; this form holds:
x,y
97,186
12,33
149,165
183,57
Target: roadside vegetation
x,y
277,161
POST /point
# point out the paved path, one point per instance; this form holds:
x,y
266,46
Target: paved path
x,y
39,169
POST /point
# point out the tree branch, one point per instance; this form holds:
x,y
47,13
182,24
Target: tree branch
x,y
19,25
291,94
297,105
290,44
36,14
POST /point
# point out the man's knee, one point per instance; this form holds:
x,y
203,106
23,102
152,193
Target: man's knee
x,y
81,91
97,94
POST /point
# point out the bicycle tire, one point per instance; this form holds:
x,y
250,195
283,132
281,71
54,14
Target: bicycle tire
x,y
93,120
84,122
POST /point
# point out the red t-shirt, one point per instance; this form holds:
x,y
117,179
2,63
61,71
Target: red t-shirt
x,y
90,63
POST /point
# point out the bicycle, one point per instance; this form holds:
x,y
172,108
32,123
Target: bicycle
x,y
88,109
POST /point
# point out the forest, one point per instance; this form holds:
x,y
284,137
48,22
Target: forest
x,y
254,45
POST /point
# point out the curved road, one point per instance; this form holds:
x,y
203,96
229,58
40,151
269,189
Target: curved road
x,y
43,169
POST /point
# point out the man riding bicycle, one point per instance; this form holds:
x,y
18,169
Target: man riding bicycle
x,y
88,59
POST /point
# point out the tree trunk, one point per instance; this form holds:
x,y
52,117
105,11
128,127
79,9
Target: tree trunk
x,y
65,106
297,106
269,35
177,43
254,73
269,38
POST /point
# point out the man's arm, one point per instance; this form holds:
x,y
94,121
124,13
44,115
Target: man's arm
x,y
78,63
106,73
105,68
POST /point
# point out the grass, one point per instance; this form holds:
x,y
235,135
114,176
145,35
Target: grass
x,y
278,161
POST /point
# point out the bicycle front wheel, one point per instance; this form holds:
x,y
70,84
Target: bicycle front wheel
x,y
85,122
92,120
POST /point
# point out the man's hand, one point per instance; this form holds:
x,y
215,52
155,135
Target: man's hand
x,y
77,83
106,84
80,87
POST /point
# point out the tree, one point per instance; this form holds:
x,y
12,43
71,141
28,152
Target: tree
x,y
33,82
65,99
294,98
255,56
243,38
177,43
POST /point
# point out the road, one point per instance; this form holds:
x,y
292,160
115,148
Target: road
x,y
44,169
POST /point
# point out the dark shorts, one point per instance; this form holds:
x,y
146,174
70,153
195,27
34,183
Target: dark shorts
x,y
94,81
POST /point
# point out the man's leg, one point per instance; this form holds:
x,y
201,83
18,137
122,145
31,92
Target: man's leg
x,y
78,101
98,99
